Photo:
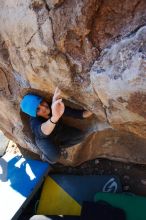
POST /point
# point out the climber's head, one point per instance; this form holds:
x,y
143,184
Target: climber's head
x,y
43,109
35,105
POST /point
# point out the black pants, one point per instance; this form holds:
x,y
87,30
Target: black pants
x,y
65,136
68,136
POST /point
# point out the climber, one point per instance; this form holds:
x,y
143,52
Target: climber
x,y
51,134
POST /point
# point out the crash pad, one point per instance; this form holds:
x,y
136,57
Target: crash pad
x,y
134,206
19,180
64,194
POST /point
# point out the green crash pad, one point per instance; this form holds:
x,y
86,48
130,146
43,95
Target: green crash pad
x,y
134,206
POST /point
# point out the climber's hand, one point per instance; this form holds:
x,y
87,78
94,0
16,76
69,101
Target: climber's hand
x,y
57,109
87,114
57,95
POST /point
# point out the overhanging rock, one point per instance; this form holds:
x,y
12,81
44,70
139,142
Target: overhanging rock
x,y
94,51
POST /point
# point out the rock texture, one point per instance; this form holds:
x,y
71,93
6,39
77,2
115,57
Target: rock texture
x,y
95,51
3,143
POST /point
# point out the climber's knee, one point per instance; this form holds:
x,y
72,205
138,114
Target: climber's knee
x,y
50,152
50,159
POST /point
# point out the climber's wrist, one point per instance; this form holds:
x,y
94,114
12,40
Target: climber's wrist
x,y
54,119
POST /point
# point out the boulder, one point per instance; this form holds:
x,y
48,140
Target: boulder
x,y
95,52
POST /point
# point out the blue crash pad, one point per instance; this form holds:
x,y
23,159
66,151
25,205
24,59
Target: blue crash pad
x,y
84,187
64,194
19,180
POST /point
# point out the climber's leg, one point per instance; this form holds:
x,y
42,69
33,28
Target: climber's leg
x,y
50,152
69,136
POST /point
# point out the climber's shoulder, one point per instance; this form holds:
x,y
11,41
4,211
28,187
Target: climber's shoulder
x,y
35,121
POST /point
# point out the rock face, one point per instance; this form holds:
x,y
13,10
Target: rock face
x,y
95,51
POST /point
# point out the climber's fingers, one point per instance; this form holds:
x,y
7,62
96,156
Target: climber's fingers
x,y
57,94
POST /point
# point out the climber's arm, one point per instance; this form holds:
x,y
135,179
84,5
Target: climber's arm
x,y
76,113
42,130
57,111
48,126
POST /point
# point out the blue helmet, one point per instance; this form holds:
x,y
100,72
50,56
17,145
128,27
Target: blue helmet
x,y
29,104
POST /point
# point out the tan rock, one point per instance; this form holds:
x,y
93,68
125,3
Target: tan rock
x,y
95,52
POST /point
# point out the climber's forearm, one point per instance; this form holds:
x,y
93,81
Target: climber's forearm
x,y
47,127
